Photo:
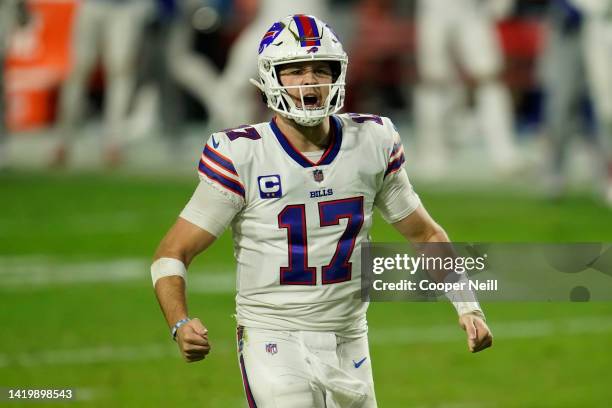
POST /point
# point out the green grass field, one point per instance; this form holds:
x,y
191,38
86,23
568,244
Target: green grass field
x,y
77,308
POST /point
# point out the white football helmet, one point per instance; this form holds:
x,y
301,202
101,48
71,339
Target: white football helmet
x,y
300,38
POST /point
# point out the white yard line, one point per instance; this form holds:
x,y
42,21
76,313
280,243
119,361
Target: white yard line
x,y
401,336
501,331
82,274
25,273
102,354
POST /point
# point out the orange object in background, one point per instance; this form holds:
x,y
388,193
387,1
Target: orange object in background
x,y
37,62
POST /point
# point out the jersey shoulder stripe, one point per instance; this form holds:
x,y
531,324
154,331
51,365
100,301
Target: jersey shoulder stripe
x,y
220,160
397,147
396,159
237,145
232,185
223,155
395,165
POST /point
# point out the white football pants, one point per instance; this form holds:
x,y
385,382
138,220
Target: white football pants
x,y
302,369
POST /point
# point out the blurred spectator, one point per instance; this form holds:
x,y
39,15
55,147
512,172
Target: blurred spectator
x,y
13,13
382,52
598,58
464,29
195,72
563,79
170,61
157,94
111,30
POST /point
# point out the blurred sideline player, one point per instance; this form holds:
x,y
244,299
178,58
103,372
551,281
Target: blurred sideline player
x,y
598,57
562,69
111,30
464,29
194,71
13,13
299,193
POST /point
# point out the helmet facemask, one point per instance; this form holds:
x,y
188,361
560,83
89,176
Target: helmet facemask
x,y
302,114
288,51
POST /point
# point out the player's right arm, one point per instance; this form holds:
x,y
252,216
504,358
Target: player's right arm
x,y
177,249
215,202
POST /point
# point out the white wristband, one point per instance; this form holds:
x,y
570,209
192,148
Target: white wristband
x,y
167,267
464,300
466,307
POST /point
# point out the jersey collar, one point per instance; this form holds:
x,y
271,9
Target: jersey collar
x,y
328,156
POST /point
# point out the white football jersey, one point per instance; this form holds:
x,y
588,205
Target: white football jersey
x,y
300,225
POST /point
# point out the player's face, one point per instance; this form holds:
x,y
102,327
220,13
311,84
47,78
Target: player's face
x,y
307,73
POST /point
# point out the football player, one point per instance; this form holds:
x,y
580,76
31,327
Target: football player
x,y
562,69
114,30
598,57
299,193
464,29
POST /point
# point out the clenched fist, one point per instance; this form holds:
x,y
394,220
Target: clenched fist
x,y
479,335
192,339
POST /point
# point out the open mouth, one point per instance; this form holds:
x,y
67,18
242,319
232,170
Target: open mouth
x,y
311,101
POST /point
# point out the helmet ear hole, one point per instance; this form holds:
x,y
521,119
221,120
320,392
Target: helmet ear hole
x,y
336,69
277,73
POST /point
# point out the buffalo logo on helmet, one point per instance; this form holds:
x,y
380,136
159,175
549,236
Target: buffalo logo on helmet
x,y
271,35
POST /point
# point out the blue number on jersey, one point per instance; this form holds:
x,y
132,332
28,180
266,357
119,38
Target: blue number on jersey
x,y
330,213
293,218
360,118
246,131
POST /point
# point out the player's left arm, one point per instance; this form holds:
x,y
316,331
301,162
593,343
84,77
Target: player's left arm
x,y
420,227
401,207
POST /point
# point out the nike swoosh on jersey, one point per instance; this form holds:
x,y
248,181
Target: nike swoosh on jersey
x,y
360,362
215,143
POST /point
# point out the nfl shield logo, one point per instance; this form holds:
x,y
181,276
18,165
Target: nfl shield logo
x,y
271,348
318,175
